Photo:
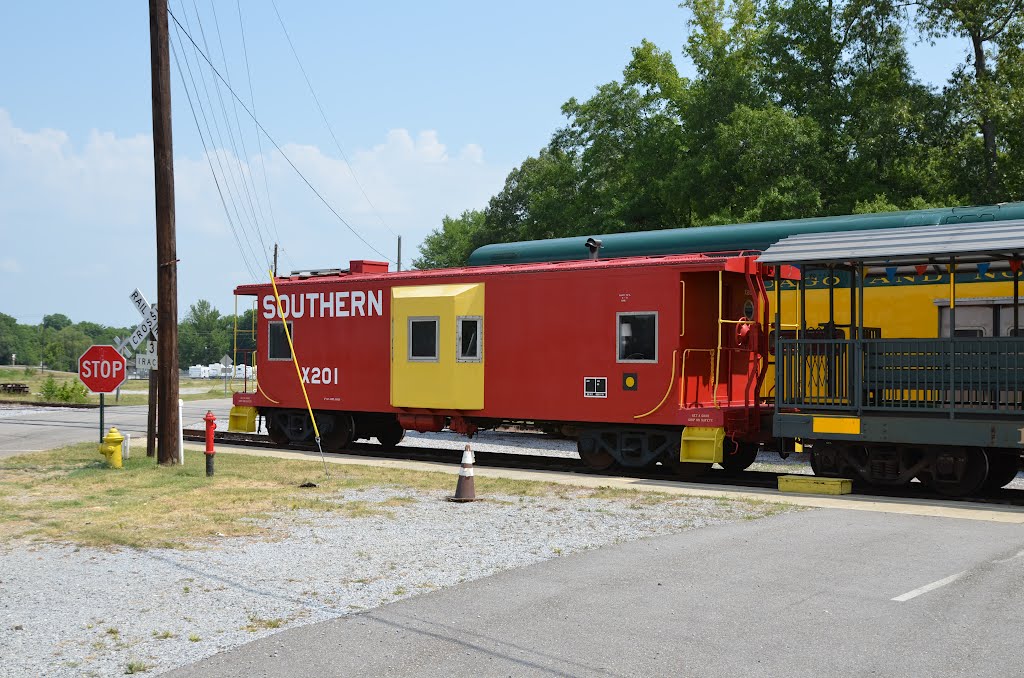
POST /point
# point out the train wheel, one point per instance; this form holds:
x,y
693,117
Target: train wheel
x,y
277,435
958,472
827,460
741,459
340,435
591,456
1002,469
390,435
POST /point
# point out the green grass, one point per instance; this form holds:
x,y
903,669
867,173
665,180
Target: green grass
x,y
68,495
215,387
257,623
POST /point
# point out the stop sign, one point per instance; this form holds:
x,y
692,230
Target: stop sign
x,y
102,369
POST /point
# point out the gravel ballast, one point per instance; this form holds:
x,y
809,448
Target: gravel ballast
x,y
70,611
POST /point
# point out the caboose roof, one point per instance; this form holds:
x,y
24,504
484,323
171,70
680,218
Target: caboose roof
x,y
976,242
739,262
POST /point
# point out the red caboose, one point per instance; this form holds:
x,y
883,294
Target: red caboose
x,y
643,360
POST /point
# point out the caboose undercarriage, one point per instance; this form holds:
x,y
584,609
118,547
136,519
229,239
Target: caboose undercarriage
x,y
600,446
338,430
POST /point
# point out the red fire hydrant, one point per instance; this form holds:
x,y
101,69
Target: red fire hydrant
x,y
211,425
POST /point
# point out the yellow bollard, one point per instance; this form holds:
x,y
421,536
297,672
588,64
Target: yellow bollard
x,y
111,447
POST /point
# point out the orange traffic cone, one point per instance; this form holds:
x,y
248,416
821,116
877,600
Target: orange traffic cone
x,y
464,490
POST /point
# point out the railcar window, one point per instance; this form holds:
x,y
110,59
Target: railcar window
x,y
638,337
277,343
969,332
423,339
470,340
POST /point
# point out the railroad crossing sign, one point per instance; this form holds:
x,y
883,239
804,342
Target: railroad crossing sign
x,y
102,369
149,318
145,329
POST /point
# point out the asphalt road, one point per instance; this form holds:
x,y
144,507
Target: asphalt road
x,y
29,429
819,593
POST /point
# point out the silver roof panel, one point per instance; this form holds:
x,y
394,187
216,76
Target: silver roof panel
x,y
966,242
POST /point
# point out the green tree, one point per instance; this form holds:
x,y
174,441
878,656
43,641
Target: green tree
x,y
625,148
452,244
202,336
1009,81
770,158
56,321
539,200
979,88
8,337
28,345
63,348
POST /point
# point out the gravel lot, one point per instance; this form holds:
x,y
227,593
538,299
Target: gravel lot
x,y
69,611
12,410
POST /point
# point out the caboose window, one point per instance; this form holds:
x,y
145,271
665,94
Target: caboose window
x,y
638,337
277,344
470,341
423,339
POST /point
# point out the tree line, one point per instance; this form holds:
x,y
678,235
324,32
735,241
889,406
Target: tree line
x,y
798,108
204,337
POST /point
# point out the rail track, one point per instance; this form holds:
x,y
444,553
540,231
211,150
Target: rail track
x,y
744,480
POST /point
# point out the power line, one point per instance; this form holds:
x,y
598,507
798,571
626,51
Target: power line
x,y
229,177
211,150
206,150
324,116
234,147
259,139
230,183
278,146
241,138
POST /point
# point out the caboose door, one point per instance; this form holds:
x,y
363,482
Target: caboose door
x,y
738,359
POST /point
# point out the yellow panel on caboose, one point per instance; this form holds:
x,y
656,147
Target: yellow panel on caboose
x,y
702,444
437,347
242,419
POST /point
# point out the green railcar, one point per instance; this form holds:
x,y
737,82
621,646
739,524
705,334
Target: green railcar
x,y
755,236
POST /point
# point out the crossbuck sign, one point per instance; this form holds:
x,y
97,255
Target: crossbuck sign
x,y
149,319
145,329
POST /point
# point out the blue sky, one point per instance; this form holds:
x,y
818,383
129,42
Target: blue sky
x,y
433,104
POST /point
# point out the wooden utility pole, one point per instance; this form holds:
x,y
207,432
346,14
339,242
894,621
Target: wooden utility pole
x,y
275,259
166,249
154,390
399,253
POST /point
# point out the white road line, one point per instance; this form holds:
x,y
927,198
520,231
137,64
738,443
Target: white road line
x,y
1014,557
928,587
